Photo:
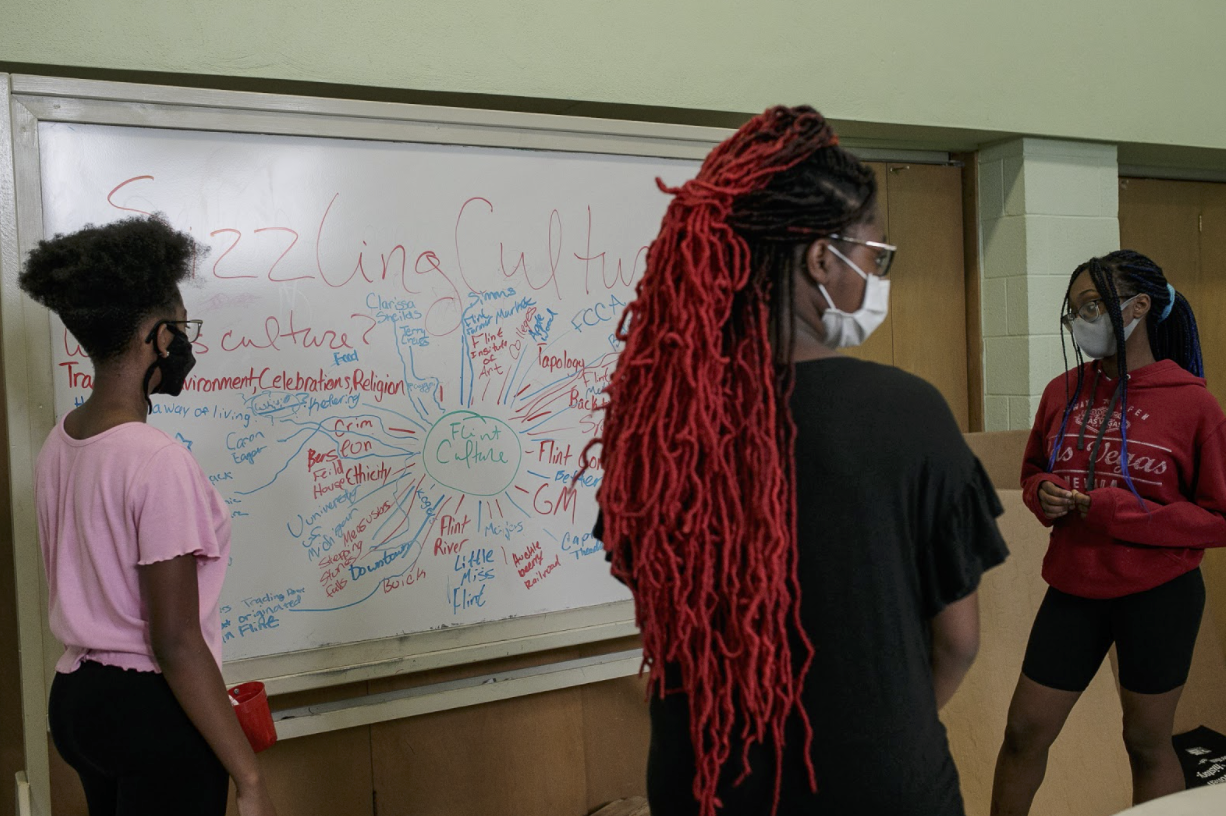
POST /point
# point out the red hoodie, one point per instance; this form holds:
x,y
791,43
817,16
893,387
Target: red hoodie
x,y
1177,461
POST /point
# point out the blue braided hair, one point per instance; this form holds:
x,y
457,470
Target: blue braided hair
x,y
1170,323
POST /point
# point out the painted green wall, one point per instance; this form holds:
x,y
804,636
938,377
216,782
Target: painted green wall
x,y
1122,71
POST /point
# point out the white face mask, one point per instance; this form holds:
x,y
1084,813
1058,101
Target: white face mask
x,y
847,329
1097,340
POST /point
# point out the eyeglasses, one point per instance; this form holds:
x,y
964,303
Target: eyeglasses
x,y
1091,311
188,328
885,252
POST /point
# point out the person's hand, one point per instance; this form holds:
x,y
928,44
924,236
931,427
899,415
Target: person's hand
x,y
1056,502
253,800
1082,502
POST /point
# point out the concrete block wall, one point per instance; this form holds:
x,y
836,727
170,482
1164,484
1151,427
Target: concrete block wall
x,y
1045,206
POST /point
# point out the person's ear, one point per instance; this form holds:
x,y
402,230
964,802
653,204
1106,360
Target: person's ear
x,y
817,262
143,343
1141,306
161,341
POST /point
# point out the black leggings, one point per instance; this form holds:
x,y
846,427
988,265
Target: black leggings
x,y
137,753
1154,633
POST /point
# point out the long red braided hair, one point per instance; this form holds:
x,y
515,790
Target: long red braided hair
x,y
698,498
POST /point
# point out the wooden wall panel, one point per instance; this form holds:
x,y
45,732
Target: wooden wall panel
x,y
928,295
1207,292
1001,454
1160,219
1203,700
319,774
616,735
1208,299
524,755
566,751
880,345
322,773
1182,226
926,331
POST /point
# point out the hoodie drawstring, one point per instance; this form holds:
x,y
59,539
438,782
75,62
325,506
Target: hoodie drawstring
x,y
1098,443
1085,418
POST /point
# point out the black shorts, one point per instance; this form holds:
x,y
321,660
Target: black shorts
x,y
129,740
1154,634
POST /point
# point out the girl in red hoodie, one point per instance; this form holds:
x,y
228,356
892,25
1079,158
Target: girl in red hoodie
x,y
1127,464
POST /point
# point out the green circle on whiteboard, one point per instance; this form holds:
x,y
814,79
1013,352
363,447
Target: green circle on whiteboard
x,y
477,454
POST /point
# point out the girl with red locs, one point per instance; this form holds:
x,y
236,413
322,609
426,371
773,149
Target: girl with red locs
x,y
704,464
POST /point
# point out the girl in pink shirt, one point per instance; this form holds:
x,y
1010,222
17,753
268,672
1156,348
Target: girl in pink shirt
x,y
135,541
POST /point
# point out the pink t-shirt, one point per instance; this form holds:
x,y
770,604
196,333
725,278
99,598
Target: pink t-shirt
x,y
129,496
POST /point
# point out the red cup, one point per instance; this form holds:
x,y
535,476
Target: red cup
x,y
251,707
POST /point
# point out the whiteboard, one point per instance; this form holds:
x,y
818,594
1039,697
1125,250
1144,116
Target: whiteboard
x,y
402,359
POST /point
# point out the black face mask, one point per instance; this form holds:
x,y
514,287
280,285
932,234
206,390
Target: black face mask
x,y
179,360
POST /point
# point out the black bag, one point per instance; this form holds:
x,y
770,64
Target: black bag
x,y
1202,753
